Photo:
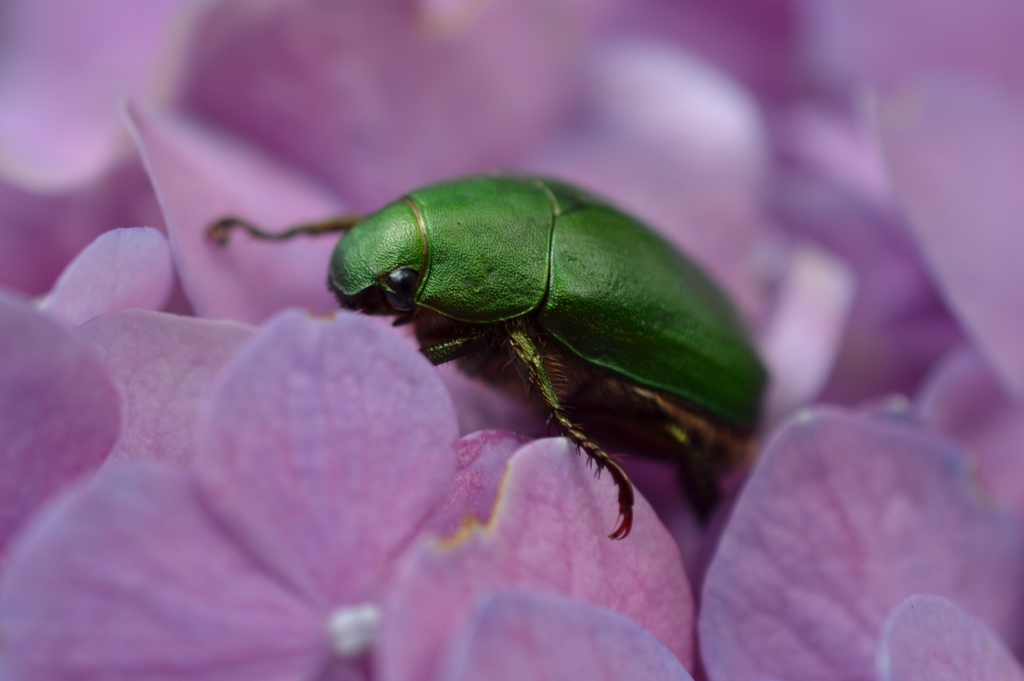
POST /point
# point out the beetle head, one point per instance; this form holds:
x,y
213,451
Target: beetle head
x,y
377,267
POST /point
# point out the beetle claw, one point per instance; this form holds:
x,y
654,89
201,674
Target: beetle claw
x,y
625,524
626,499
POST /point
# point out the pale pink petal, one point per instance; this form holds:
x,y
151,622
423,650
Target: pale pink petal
x,y
845,516
326,444
928,638
889,43
964,399
666,97
802,339
200,177
956,154
367,97
123,268
756,42
129,577
63,69
523,636
658,481
58,411
482,463
40,233
549,534
484,407
838,145
828,192
163,366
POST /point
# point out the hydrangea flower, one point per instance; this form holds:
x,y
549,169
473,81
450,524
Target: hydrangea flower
x,y
198,485
325,452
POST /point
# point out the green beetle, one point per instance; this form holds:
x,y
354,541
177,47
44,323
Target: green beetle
x,y
609,328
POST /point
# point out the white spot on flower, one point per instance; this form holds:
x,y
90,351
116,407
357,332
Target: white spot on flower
x,y
353,629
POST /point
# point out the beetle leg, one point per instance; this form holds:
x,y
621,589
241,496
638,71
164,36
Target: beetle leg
x,y
220,231
455,348
696,473
530,363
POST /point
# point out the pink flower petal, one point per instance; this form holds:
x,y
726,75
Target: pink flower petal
x,y
828,194
928,638
549,534
756,42
58,411
40,233
363,95
802,340
64,68
957,159
201,177
658,481
484,407
128,577
844,516
666,97
326,444
964,399
522,636
838,146
888,43
163,366
482,463
124,268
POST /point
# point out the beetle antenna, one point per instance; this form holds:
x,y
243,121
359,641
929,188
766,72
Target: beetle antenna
x,y
220,231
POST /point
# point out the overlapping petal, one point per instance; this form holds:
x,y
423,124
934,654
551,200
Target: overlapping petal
x,y
844,516
756,42
123,268
928,638
304,492
964,399
956,153
484,407
58,411
200,177
482,462
325,440
525,636
801,342
548,533
131,577
163,366
41,232
890,43
832,190
63,69
399,105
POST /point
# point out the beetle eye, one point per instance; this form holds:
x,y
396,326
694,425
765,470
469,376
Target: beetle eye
x,y
402,282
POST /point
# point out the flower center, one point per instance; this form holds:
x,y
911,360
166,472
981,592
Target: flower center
x,y
353,629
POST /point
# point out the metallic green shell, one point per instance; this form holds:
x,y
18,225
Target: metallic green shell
x,y
607,288
389,238
623,299
488,241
